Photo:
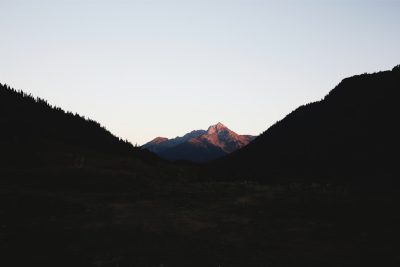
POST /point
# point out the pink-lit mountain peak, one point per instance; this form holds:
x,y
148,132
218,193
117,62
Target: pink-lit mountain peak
x,y
200,145
221,136
219,127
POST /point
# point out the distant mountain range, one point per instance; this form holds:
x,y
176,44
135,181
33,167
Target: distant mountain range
x,y
352,135
199,145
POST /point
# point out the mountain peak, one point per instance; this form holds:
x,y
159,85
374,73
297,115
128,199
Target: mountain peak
x,y
216,128
200,145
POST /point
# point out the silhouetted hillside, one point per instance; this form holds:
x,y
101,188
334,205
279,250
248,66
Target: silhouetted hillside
x,y
34,133
350,135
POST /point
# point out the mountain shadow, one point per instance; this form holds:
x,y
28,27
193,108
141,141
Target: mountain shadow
x,y
350,136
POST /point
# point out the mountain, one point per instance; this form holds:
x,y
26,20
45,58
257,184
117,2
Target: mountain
x,y
220,136
200,145
351,135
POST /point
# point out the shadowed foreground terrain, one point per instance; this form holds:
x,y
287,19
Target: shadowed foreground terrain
x,y
110,219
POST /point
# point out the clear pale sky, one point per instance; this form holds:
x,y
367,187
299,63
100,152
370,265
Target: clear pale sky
x,y
162,68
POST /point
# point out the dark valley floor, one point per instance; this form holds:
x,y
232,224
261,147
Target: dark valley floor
x,y
193,223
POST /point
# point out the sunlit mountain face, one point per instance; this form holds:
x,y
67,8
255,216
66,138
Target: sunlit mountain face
x,y
199,145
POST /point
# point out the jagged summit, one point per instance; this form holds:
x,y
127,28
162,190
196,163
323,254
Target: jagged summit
x,y
216,128
200,145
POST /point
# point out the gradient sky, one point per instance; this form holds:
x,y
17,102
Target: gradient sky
x,y
162,68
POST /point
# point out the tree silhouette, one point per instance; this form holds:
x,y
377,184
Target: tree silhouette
x,y
349,136
32,128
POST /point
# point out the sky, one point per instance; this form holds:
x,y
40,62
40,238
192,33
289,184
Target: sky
x,y
162,68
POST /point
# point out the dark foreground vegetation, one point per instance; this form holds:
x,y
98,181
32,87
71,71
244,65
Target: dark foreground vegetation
x,y
72,194
103,218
